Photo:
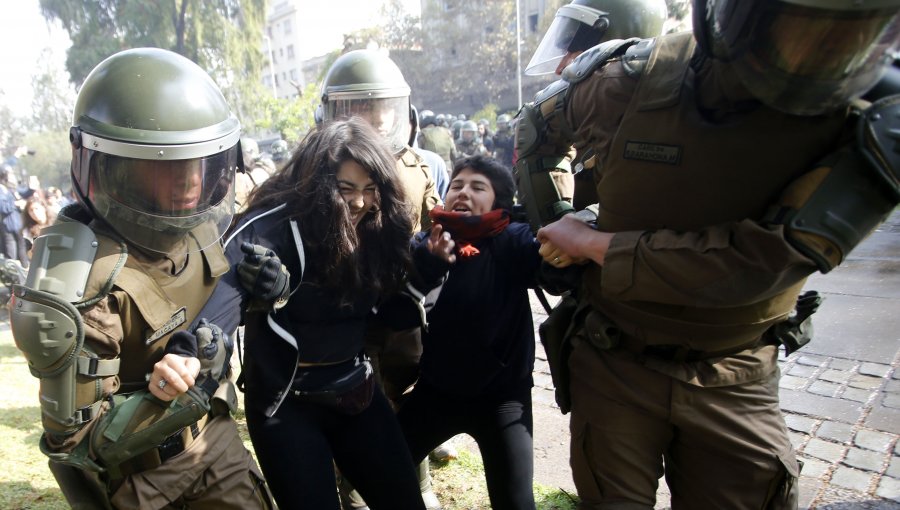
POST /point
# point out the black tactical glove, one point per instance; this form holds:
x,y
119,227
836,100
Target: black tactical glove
x,y
797,330
214,350
265,277
211,346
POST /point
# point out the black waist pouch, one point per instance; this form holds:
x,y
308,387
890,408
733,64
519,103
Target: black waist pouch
x,y
346,391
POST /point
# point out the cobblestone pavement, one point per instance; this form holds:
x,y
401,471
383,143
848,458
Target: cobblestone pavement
x,y
840,395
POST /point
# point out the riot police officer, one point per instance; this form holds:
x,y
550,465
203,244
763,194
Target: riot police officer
x,y
582,24
469,143
722,176
281,154
577,27
504,140
368,84
119,276
437,138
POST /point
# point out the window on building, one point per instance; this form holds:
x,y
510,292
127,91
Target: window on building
x,y
276,81
290,49
533,23
294,74
280,52
287,26
449,5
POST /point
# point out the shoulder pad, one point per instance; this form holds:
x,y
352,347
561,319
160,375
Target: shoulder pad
x,y
635,59
590,60
550,91
62,259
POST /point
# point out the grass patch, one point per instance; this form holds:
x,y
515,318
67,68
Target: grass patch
x,y
460,485
25,481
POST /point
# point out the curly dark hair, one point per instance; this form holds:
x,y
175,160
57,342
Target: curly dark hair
x,y
375,254
501,178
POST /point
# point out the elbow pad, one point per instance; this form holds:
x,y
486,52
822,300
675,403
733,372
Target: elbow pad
x,y
543,167
48,328
827,212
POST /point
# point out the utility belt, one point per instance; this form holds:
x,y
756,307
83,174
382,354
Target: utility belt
x,y
170,447
672,352
793,333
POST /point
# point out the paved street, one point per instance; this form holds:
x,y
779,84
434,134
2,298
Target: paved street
x,y
840,394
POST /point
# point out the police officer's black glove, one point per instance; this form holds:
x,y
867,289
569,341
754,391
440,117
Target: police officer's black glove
x,y
797,330
559,280
264,276
211,346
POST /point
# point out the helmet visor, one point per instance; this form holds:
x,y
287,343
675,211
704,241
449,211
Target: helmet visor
x,y
572,29
389,116
808,61
157,204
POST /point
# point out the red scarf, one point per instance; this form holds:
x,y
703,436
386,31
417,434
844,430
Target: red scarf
x,y
470,229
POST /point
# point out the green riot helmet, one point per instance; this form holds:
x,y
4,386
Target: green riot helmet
x,y
503,122
279,150
584,24
803,57
154,150
368,84
468,131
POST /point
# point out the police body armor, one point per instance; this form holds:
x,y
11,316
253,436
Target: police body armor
x,y
73,268
738,182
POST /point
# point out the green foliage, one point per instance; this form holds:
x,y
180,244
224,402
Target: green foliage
x,y
51,158
290,118
12,129
52,97
475,43
489,112
222,37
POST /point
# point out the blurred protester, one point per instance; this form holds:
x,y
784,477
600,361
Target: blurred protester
x,y
485,136
35,216
11,204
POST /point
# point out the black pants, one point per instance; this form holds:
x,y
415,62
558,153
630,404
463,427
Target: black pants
x,y
296,448
502,428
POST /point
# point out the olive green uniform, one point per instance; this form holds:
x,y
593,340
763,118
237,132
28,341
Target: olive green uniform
x,y
438,139
668,363
149,300
421,192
